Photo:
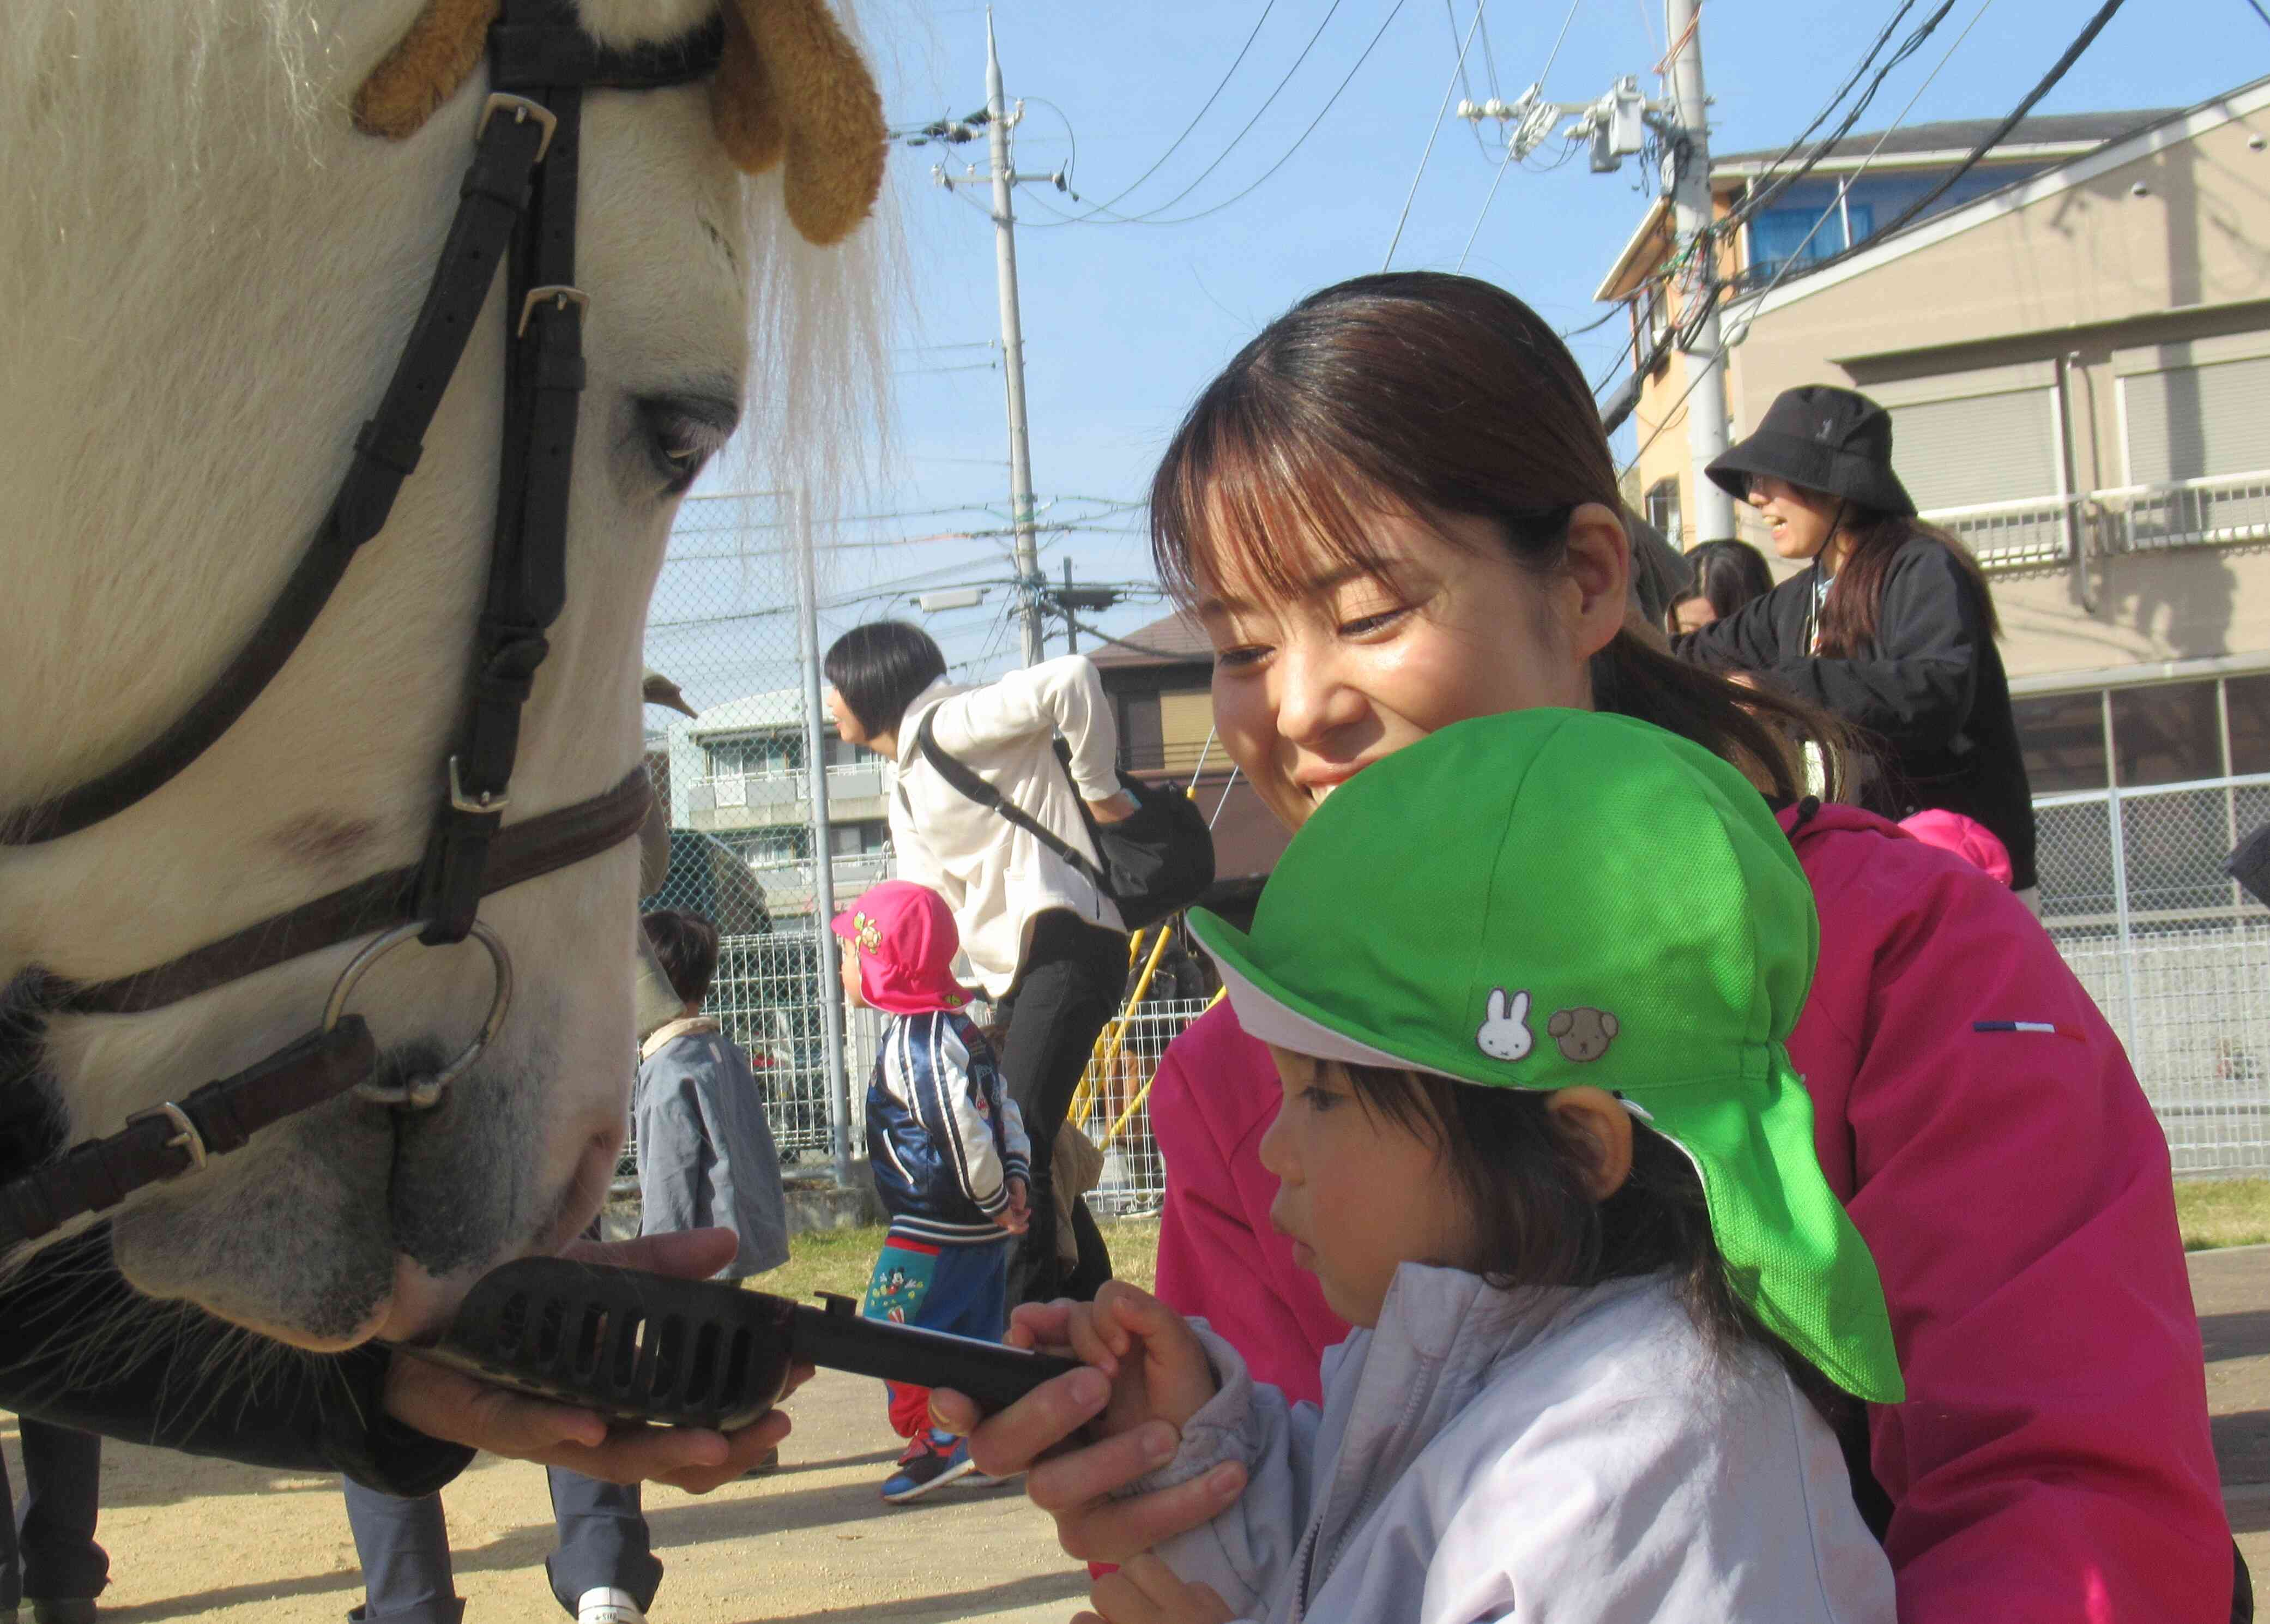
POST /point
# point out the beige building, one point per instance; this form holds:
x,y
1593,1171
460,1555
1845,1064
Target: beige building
x,y
2077,360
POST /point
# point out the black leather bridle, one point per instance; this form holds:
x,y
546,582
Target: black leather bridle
x,y
516,206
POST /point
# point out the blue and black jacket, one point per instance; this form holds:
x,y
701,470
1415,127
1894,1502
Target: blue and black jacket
x,y
944,1138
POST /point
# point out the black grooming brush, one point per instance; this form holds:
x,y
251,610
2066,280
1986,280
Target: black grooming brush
x,y
650,1347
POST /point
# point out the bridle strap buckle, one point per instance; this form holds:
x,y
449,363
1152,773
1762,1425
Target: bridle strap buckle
x,y
559,295
521,110
486,801
186,1136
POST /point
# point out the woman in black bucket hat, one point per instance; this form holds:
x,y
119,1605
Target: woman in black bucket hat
x,y
1892,628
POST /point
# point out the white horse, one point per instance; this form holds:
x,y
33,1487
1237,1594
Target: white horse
x,y
207,274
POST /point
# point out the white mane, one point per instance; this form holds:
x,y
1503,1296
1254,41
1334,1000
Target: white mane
x,y
204,285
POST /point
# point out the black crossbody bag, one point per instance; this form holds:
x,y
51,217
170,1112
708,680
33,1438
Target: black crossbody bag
x,y
1155,863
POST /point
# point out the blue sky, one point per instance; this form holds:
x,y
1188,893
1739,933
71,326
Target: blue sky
x,y
1125,323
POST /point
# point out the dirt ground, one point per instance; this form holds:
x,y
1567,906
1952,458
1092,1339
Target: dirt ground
x,y
201,1539
192,1539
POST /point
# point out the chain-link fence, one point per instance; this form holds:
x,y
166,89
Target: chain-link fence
x,y
733,624
1114,1106
2176,955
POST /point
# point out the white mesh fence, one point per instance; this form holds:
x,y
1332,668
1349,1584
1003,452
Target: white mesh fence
x,y
2176,955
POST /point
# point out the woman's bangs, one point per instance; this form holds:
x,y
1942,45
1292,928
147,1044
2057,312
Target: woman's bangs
x,y
1262,513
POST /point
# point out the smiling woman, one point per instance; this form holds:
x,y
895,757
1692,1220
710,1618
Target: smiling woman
x,y
1397,511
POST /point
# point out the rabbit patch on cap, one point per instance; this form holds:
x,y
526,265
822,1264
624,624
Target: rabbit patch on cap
x,y
1504,1034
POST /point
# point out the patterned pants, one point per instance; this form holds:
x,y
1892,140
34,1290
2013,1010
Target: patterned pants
x,y
963,1289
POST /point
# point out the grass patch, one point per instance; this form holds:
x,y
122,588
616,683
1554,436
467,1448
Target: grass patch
x,y
2222,1211
840,1260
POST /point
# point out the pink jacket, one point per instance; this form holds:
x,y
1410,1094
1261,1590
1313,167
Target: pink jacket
x,y
2052,1462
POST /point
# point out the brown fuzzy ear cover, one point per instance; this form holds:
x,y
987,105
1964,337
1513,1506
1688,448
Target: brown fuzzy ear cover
x,y
438,54
812,95
790,86
742,104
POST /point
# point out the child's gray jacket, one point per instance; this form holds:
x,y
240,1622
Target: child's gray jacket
x,y
1563,1456
705,1147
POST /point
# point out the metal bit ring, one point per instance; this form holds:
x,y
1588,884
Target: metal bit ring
x,y
423,1092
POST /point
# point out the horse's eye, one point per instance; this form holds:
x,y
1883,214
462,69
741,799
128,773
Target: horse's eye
x,y
681,433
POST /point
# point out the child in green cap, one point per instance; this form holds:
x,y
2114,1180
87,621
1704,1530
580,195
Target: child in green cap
x,y
1540,1142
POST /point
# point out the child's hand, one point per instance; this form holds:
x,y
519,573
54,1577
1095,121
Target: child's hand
x,y
1158,1368
1147,1591
1017,1217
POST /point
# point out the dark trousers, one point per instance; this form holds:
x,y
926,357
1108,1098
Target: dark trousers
x,y
49,1551
404,1547
1069,986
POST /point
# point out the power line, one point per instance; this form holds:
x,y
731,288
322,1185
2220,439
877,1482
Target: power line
x,y
1749,207
1844,89
2258,11
1434,131
1175,145
1121,642
1136,219
1613,311
1993,138
1489,197
1451,16
1183,219
1795,256
1553,55
1647,22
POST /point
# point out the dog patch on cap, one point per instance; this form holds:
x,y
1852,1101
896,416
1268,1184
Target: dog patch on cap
x,y
1583,1032
1504,1034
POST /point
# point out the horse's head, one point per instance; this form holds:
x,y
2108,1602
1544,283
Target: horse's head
x,y
236,205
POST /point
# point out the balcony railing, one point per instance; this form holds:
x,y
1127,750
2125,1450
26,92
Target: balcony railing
x,y
1177,757
789,886
849,781
2217,511
2013,535
2189,513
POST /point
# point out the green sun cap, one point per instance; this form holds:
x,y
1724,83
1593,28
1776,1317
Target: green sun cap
x,y
1550,898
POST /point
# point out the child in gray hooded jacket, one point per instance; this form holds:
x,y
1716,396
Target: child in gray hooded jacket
x,y
1540,1142
704,1146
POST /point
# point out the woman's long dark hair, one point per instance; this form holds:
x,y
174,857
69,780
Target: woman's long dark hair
x,y
1432,394
1727,575
1856,598
1525,1180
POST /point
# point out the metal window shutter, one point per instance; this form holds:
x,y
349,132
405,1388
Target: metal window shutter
x,y
1980,448
2196,422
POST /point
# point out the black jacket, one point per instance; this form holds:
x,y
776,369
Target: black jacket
x,y
1930,694
80,1347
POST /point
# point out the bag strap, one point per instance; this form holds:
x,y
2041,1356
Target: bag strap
x,y
958,773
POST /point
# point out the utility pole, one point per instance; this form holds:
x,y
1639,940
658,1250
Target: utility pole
x,y
1617,124
1070,600
823,854
1687,156
998,118
1012,349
